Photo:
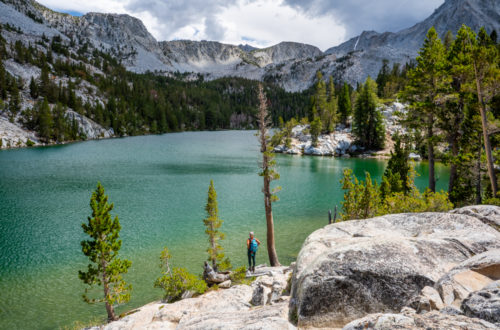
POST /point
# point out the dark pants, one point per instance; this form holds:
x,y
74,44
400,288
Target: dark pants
x,y
251,257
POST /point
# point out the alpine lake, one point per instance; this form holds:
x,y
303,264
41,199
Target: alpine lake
x,y
158,185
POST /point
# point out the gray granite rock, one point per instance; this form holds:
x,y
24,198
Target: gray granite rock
x,y
353,268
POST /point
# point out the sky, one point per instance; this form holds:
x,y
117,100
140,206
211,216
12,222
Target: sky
x,y
261,23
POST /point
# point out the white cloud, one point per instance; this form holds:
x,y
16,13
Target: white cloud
x,y
380,15
85,6
323,23
270,22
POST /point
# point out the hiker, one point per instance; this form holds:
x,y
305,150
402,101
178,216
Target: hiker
x,y
252,245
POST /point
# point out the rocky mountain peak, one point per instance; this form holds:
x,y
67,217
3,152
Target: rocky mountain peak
x,y
290,64
126,23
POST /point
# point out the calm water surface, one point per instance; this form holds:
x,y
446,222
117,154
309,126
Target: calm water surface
x,y
159,187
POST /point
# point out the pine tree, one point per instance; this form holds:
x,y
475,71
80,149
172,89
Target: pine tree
x,y
368,123
102,248
320,95
45,121
448,40
382,78
361,199
33,88
331,105
268,173
3,80
396,172
427,83
213,223
316,126
477,60
485,64
467,185
15,100
344,104
60,123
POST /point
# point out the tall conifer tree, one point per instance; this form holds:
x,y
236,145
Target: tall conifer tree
x,y
213,223
102,248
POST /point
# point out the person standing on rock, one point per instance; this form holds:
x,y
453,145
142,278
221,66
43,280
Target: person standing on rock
x,y
252,246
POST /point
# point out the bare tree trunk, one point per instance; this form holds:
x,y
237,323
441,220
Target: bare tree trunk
x,y
486,138
478,182
263,123
109,307
430,150
212,244
271,249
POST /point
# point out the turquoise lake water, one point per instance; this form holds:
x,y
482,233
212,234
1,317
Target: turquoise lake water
x,y
159,187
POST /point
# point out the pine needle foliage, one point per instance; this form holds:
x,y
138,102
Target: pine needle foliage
x,y
212,228
105,269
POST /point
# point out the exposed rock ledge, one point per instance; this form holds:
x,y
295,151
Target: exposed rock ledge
x,y
400,271
428,261
225,308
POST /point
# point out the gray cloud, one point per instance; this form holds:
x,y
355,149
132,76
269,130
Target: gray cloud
x,y
380,15
213,28
176,14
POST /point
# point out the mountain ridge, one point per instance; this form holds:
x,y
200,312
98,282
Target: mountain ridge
x,y
291,65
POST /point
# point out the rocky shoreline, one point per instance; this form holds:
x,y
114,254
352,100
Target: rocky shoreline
x,y
12,135
404,271
341,142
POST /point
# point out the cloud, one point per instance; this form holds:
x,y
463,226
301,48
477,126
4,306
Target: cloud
x,y
213,28
265,23
380,15
85,6
323,23
176,17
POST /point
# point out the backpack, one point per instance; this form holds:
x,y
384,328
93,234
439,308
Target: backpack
x,y
253,245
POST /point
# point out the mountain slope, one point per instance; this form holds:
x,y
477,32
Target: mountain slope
x,y
291,65
370,48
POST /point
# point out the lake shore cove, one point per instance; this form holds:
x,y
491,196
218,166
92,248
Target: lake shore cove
x,y
439,270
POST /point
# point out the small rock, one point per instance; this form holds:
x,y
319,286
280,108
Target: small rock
x,y
225,284
450,310
260,295
187,294
429,300
484,304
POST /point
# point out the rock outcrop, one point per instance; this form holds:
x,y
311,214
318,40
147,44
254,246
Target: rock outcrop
x,y
408,319
341,142
401,271
12,136
224,308
350,269
484,304
486,213
468,277
338,143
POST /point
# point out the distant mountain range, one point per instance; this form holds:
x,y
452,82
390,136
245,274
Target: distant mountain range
x,y
291,65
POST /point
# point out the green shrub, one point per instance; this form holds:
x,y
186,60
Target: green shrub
x,y
178,282
365,199
238,276
30,143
